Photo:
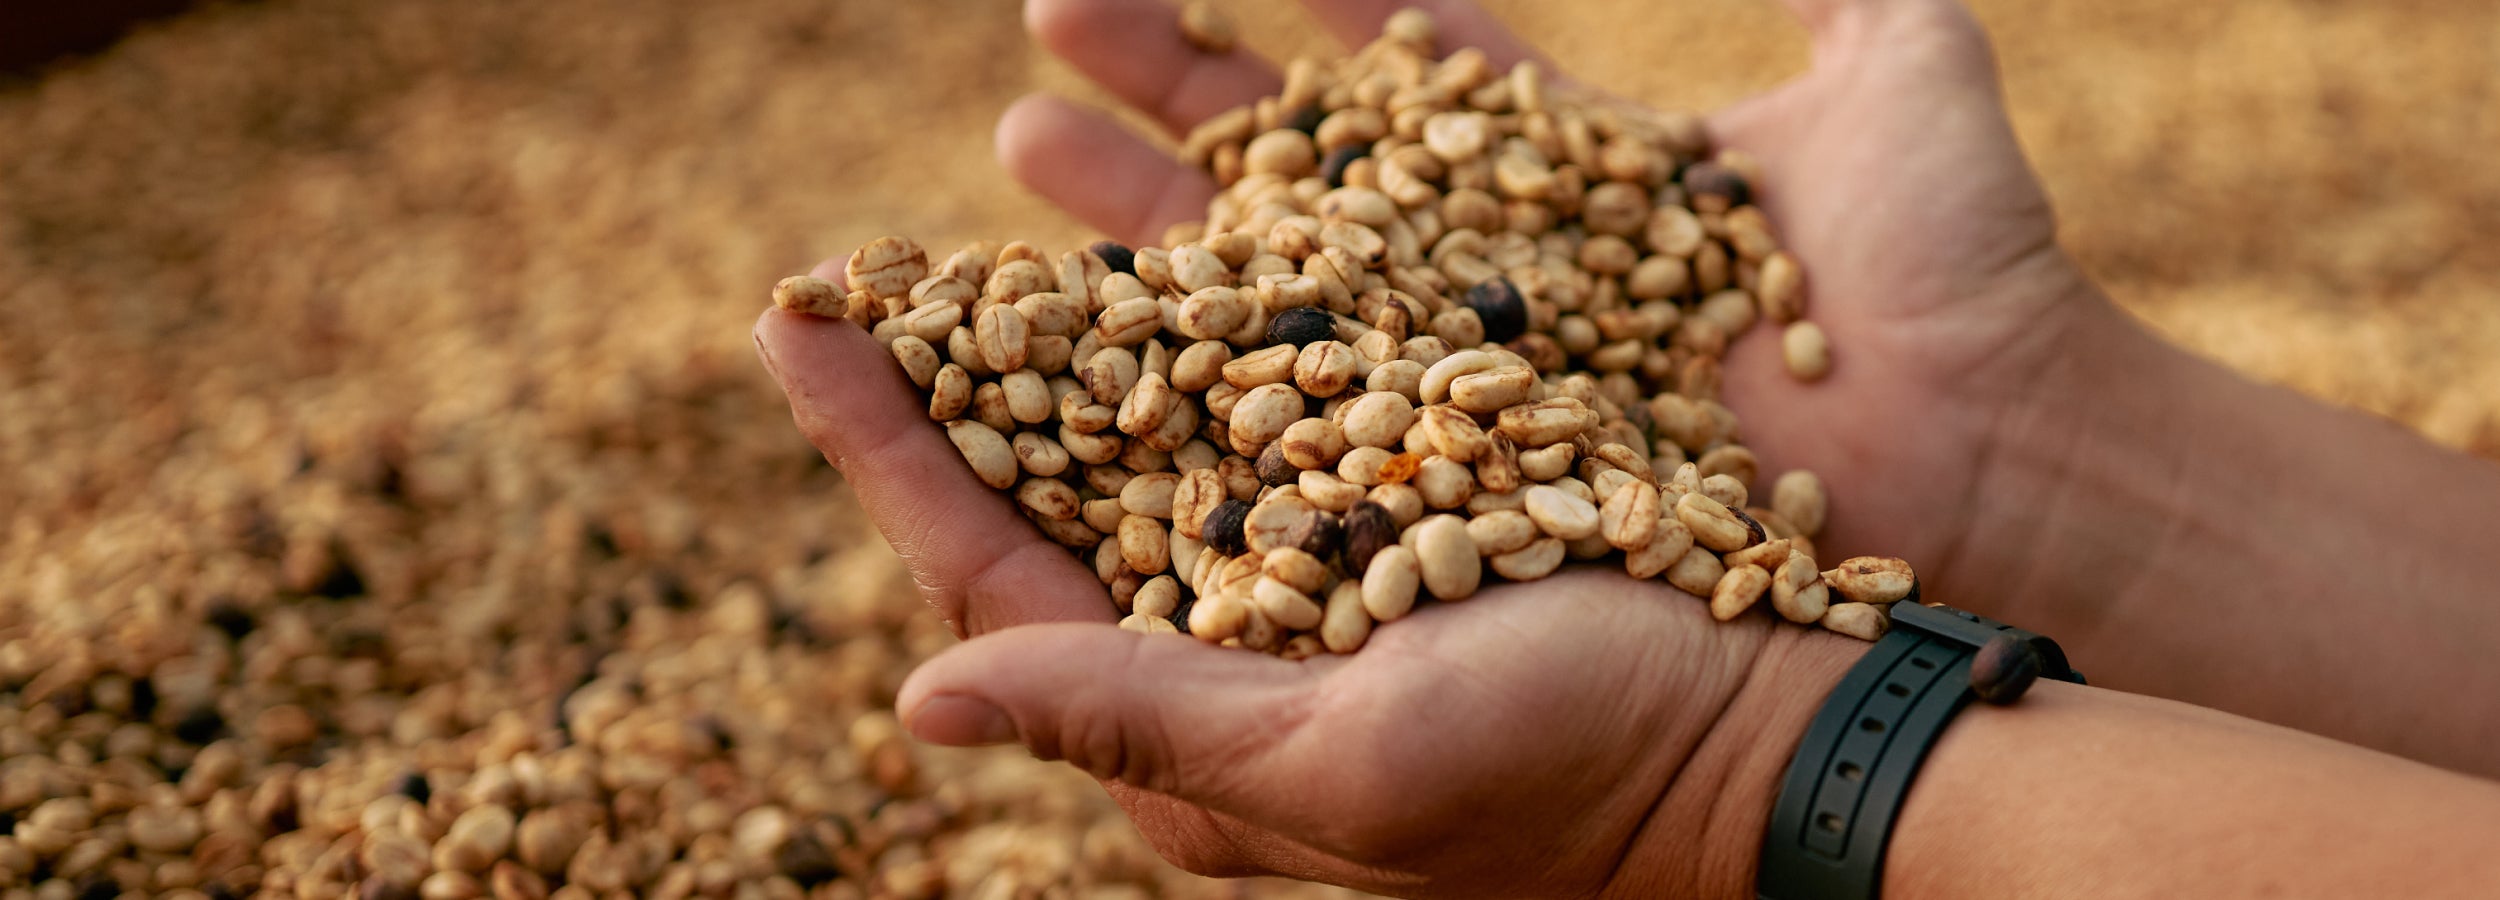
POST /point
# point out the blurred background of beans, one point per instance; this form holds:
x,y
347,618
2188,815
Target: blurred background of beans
x,y
375,393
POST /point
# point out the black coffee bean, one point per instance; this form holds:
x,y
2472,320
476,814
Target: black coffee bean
x,y
1498,305
414,787
1120,259
1180,616
1301,325
1709,179
1316,533
1369,529
2005,668
1332,169
1306,119
232,619
200,726
807,860
1224,528
1274,470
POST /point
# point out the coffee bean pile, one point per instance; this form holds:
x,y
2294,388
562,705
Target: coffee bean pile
x,y
1441,318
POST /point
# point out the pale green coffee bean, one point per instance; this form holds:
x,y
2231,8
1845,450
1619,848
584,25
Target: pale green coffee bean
x,y
1667,545
1798,497
1713,524
986,451
1501,531
1452,433
1437,378
1039,455
1561,513
1797,591
1049,498
1446,558
1344,625
949,393
1493,390
1726,489
1872,579
1389,583
920,361
1284,605
1864,621
1630,517
1273,365
1697,572
1536,560
1737,590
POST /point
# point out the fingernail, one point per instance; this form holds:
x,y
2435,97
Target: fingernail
x,y
958,720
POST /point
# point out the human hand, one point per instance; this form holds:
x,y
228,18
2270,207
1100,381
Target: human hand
x,y
1604,728
1890,169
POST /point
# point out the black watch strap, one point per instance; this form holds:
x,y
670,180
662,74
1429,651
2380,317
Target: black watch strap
x,y
1853,769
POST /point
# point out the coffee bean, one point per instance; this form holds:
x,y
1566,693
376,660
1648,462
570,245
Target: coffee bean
x,y
1274,469
1121,260
1710,182
1498,305
2005,667
1224,527
1332,169
1300,326
1305,118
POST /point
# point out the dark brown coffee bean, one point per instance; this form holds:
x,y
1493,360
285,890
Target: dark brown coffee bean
x,y
1274,469
2005,668
1760,534
1719,183
1118,258
1224,527
1306,119
1333,168
1317,533
1369,528
1499,307
1301,326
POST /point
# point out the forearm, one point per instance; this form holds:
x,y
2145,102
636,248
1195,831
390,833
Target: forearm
x,y
2079,792
2188,533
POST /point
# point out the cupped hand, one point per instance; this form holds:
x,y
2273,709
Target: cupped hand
x,y
1889,168
1583,734
1579,735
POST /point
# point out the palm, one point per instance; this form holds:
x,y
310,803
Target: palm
x,y
1406,757
1894,178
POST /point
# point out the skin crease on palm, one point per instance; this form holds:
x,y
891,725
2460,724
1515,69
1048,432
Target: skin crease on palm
x,y
1895,177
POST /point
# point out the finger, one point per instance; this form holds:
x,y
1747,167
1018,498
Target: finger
x,y
973,556
1134,49
1162,713
1457,23
1098,171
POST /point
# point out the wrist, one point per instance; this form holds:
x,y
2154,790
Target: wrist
x,y
2078,464
1704,837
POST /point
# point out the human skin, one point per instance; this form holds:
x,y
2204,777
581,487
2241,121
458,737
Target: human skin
x,y
1604,729
1991,415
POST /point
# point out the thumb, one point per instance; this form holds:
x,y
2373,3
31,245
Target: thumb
x,y
1160,712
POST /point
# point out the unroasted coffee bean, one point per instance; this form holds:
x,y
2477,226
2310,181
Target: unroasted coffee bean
x,y
1332,169
1872,579
1498,305
1300,326
1274,469
1318,534
1447,558
1368,528
1119,259
1737,590
1223,528
2005,668
1715,187
1864,621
